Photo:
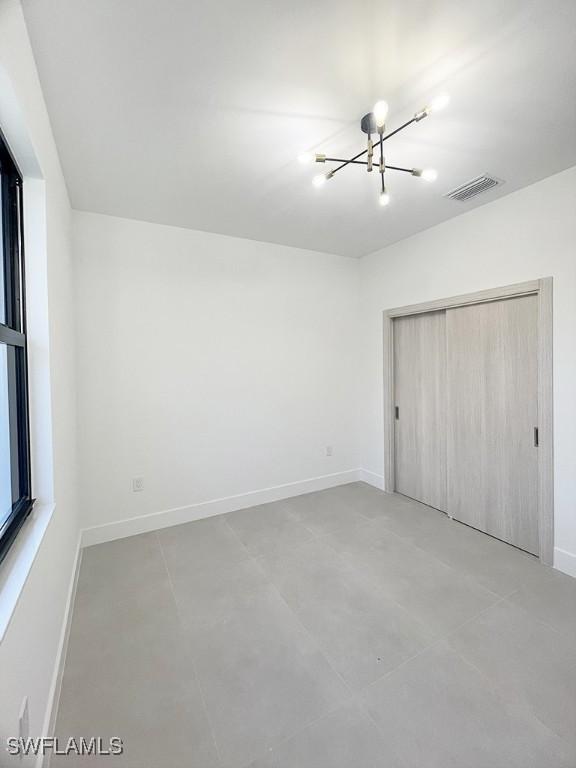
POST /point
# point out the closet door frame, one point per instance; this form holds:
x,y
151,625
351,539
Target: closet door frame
x,y
542,288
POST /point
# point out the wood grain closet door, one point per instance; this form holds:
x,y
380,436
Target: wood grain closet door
x,y
492,384
420,397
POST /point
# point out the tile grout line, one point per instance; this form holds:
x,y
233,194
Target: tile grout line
x,y
314,642
367,520
356,691
297,731
525,707
443,515
437,559
494,684
293,518
355,695
194,666
439,640
566,635
283,504
469,576
253,558
437,636
364,579
313,639
339,705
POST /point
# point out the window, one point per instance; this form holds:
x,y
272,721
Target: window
x,y
15,485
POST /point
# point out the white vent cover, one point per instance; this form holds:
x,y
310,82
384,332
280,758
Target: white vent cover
x,y
474,187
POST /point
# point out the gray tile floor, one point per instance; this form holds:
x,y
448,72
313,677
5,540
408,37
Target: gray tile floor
x,y
342,629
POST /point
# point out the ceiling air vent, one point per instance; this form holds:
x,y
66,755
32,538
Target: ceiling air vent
x,y
474,187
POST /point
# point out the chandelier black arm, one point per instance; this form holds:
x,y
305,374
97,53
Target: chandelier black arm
x,y
363,162
401,128
347,162
397,168
382,138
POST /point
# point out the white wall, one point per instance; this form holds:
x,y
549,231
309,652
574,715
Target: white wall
x,y
211,366
29,648
526,235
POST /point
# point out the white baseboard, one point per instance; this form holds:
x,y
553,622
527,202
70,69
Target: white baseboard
x,y
56,684
372,479
156,520
565,561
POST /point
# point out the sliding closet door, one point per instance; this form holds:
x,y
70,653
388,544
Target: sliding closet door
x,y
420,399
492,415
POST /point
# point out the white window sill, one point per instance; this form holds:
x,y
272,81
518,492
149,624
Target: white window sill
x,y
18,563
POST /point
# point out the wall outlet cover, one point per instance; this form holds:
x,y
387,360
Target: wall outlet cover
x,y
137,484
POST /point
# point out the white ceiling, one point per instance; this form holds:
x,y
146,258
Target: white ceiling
x,y
192,112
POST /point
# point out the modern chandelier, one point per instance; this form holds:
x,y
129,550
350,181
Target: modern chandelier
x,y
375,123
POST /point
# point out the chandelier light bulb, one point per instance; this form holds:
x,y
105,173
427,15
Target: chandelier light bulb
x,y
305,158
380,113
384,198
439,102
319,180
429,174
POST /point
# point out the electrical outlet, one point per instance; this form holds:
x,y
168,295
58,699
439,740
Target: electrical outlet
x,y
24,720
137,484
329,450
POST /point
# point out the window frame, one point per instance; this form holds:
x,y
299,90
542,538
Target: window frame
x,y
13,335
